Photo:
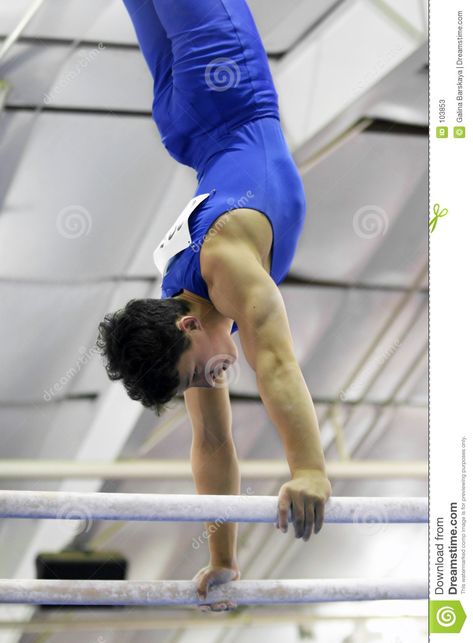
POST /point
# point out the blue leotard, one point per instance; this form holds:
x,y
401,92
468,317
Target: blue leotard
x,y
216,109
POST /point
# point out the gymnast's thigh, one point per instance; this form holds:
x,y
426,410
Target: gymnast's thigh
x,y
220,72
153,41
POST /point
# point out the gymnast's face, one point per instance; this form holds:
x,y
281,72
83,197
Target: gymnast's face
x,y
212,352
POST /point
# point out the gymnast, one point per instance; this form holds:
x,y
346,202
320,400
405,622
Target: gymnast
x,y
216,110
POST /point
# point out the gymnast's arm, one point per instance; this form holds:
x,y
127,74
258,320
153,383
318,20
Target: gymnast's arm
x,y
214,462
242,290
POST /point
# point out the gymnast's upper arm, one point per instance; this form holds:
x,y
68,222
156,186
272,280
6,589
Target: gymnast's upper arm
x,y
241,289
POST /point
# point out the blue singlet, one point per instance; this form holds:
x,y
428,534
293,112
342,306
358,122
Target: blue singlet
x,y
216,109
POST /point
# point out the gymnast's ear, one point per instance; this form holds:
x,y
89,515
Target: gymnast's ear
x,y
189,322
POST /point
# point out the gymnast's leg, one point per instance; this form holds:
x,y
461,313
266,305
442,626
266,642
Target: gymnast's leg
x,y
153,41
211,73
220,72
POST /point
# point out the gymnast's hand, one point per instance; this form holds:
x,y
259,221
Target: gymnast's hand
x,y
306,494
211,575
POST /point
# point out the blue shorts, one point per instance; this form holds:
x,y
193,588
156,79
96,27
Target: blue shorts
x,y
216,109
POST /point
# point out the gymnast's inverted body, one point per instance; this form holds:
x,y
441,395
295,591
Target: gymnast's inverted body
x,y
216,110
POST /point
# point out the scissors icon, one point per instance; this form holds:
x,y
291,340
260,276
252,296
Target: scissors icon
x,y
438,214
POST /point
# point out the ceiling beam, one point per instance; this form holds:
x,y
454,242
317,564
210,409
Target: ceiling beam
x,y
181,469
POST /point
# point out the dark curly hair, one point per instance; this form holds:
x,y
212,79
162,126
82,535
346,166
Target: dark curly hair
x,y
142,345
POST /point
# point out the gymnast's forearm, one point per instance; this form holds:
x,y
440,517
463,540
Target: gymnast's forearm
x,y
216,470
288,403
